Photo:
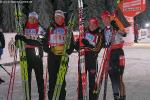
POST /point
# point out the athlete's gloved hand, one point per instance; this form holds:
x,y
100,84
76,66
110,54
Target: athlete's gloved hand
x,y
77,45
68,51
124,35
114,25
46,48
86,43
20,37
107,45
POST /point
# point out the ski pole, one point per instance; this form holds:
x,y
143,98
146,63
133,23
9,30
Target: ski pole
x,y
105,83
105,86
45,83
15,59
11,82
106,73
101,66
100,74
5,70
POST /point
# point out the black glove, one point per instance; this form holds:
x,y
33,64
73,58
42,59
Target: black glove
x,y
107,45
68,51
124,35
46,48
20,37
86,43
114,25
17,37
77,45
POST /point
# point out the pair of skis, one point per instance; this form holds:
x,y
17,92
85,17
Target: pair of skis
x,y
82,74
13,53
102,74
64,60
12,77
22,56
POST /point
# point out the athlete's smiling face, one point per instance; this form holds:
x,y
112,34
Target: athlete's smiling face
x,y
32,20
59,20
92,26
106,20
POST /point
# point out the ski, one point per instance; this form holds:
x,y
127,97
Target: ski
x,y
64,60
102,73
22,53
106,72
45,83
81,64
13,73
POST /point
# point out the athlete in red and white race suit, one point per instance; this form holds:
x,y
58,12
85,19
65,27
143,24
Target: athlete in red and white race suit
x,y
114,40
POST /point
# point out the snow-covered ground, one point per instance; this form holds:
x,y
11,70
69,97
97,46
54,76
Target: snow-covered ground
x,y
136,75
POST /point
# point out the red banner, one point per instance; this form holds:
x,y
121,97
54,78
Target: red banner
x,y
132,8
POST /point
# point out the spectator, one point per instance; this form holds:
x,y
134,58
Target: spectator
x,y
136,33
2,42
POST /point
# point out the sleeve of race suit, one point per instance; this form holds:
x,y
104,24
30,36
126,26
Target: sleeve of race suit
x,y
103,40
76,45
85,42
116,27
99,44
123,34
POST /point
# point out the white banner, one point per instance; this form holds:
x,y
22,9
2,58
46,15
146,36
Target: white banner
x,y
143,34
129,39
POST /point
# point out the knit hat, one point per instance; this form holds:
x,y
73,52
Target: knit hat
x,y
93,20
105,14
33,14
59,13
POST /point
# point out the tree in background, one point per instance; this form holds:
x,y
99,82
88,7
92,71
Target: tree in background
x,y
1,13
143,17
45,9
7,15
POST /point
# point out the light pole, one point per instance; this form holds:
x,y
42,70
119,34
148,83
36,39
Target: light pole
x,y
147,26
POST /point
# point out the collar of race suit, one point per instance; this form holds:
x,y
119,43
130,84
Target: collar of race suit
x,y
96,31
54,25
34,25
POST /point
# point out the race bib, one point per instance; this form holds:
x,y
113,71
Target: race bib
x,y
57,37
30,31
31,34
91,38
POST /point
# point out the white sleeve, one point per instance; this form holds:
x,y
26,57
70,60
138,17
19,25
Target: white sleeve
x,y
41,31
